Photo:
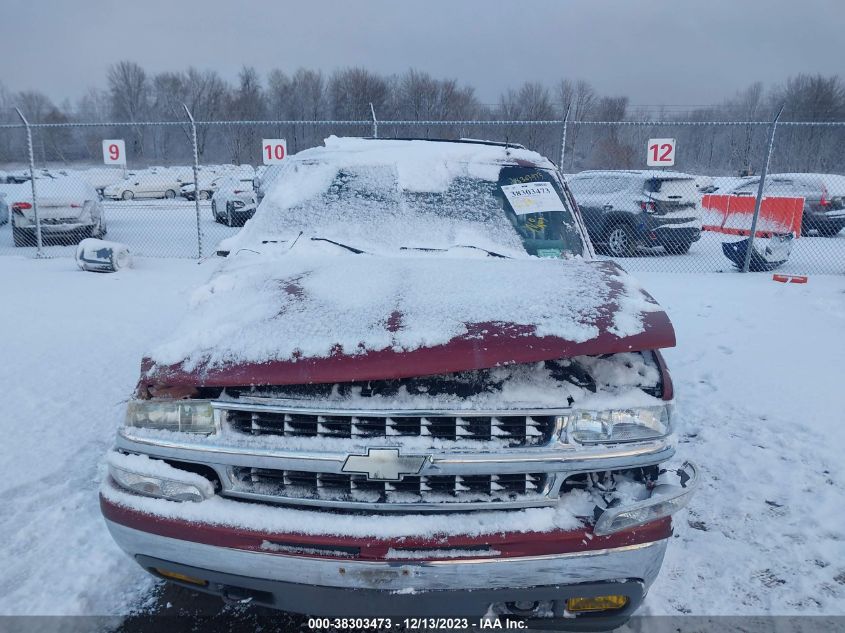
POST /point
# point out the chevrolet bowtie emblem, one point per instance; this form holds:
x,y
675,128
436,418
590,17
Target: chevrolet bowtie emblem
x,y
384,464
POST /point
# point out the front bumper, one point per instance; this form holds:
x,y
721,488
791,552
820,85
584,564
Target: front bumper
x,y
264,568
830,220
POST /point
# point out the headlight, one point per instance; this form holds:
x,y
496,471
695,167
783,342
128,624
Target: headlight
x,y
188,416
618,425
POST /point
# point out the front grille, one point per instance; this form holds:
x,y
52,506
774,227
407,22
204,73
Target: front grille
x,y
514,430
355,488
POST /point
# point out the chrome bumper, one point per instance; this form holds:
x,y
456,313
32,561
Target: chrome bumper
x,y
640,562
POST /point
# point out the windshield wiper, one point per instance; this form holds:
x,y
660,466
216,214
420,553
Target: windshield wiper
x,y
352,249
432,250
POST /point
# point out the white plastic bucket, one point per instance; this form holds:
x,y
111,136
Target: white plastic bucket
x,y
101,256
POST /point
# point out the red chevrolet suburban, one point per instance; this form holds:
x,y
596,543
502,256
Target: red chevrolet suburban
x,y
409,390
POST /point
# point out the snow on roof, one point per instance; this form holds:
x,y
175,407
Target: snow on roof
x,y
422,165
71,188
373,194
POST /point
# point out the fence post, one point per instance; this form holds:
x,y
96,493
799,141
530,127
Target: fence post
x,y
196,178
759,200
563,139
375,121
38,252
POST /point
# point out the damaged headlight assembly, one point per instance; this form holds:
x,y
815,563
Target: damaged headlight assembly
x,y
665,500
186,416
617,425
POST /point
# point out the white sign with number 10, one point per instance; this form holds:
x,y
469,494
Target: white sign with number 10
x,y
661,152
114,152
273,150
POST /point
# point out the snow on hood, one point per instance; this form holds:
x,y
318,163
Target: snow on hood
x,y
284,318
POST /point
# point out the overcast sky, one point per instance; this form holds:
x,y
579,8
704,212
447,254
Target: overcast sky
x,y
654,51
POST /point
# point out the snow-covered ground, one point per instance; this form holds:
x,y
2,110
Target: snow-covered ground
x,y
757,370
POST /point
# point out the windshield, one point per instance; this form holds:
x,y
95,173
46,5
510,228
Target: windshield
x,y
518,210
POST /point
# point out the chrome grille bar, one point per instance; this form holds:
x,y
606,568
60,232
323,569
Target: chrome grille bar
x,y
286,485
516,428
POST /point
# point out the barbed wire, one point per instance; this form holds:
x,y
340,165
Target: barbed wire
x,y
412,122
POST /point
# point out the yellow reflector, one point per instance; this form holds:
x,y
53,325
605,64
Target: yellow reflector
x,y
175,575
597,603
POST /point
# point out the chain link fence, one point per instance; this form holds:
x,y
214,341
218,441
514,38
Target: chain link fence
x,y
181,187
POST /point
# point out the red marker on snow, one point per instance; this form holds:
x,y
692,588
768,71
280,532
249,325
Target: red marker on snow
x,y
790,279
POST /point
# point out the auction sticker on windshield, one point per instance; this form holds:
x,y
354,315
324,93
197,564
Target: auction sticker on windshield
x,y
533,197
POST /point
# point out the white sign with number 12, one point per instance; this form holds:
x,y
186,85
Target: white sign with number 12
x,y
114,152
273,150
661,152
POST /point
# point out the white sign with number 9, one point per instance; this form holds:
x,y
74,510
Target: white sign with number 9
x,y
661,152
273,150
114,152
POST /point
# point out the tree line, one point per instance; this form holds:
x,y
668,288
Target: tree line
x,y
134,97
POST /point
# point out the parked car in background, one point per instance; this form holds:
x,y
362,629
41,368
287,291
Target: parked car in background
x,y
210,179
824,198
263,181
69,209
145,184
628,210
234,201
409,389
4,209
102,177
207,187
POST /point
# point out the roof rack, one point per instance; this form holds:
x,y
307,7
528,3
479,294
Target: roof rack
x,y
470,141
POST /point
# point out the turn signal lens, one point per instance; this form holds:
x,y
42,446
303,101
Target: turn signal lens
x,y
175,575
596,603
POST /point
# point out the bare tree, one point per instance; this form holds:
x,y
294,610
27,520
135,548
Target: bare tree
x,y
352,90
279,94
246,103
129,90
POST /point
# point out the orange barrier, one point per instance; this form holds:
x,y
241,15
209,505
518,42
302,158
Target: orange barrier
x,y
733,215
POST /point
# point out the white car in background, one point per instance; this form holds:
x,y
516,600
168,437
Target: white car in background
x,y
102,177
264,179
212,176
68,208
234,202
145,184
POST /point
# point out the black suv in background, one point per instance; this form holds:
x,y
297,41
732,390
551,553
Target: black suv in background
x,y
628,210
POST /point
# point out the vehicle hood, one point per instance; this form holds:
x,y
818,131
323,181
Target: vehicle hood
x,y
322,317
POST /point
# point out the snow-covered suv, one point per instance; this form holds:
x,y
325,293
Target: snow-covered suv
x,y
628,210
409,389
234,200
